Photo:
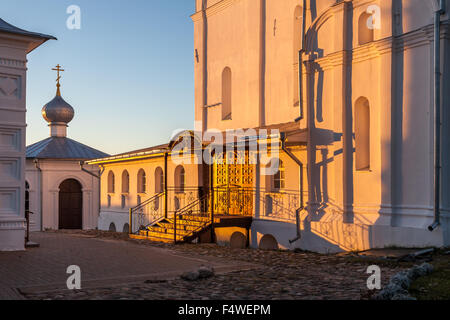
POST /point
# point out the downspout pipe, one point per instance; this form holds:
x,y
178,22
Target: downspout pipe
x,y
300,65
437,111
99,177
41,193
302,205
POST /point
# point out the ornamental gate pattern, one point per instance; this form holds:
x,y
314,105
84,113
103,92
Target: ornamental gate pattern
x,y
233,183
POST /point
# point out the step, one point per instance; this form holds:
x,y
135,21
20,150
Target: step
x,y
164,236
170,232
154,239
169,229
193,218
181,224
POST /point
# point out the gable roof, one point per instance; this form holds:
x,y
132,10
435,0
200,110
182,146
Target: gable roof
x,y
62,148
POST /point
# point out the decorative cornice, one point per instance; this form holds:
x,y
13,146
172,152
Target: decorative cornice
x,y
13,63
373,50
212,10
12,224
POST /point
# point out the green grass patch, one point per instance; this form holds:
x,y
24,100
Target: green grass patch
x,y
437,285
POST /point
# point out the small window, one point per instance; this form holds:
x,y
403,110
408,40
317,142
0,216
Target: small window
x,y
226,94
109,201
362,134
112,227
297,45
279,178
111,182
159,180
125,182
124,201
179,179
142,182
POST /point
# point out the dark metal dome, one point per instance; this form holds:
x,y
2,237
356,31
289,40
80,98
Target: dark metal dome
x,y
58,111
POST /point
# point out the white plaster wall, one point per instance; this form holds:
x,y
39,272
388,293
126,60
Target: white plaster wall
x,y
392,204
54,172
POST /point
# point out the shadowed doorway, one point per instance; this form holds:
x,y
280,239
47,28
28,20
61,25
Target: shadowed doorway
x,y
70,205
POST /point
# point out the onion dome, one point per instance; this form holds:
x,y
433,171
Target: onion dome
x,y
58,110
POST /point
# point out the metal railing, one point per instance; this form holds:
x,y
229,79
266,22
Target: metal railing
x,y
228,200
147,213
280,205
200,208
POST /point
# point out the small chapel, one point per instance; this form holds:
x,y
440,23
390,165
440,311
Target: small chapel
x,y
60,191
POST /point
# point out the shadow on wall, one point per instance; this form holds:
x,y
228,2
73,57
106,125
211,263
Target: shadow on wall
x,y
323,225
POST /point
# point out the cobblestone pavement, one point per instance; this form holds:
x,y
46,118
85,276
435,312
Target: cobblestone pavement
x,y
282,275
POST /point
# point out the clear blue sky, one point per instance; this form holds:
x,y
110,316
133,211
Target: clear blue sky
x,y
129,70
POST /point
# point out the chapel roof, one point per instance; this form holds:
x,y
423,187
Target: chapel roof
x,y
62,148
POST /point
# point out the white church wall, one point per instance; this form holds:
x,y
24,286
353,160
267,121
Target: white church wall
x,y
54,172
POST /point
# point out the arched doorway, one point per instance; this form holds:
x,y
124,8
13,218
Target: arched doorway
x,y
70,205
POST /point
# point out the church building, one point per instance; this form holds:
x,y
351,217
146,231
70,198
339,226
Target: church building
x,y
347,99
61,191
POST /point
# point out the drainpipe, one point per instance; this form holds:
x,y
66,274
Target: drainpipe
x,y
437,111
36,164
302,205
300,65
99,177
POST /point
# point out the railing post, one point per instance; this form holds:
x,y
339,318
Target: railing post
x,y
130,231
211,196
175,227
166,156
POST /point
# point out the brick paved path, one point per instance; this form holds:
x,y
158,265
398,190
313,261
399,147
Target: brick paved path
x,y
129,263
103,262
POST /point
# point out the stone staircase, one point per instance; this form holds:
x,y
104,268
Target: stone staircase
x,y
188,228
186,225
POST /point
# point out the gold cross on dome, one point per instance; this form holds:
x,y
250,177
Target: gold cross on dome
x,y
58,85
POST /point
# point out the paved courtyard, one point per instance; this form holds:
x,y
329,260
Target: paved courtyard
x,y
116,268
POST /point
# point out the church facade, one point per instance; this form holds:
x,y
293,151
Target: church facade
x,y
343,98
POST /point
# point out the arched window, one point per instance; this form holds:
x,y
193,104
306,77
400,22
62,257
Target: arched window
x,y
125,182
226,94
365,34
279,178
297,45
142,181
159,180
362,134
111,182
179,179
